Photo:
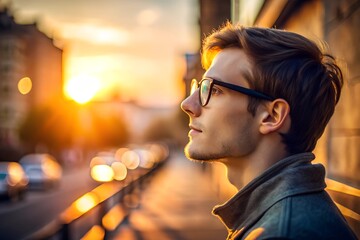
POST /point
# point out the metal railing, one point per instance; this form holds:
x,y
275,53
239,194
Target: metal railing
x,y
347,199
98,213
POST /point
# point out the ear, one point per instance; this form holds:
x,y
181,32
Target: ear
x,y
275,117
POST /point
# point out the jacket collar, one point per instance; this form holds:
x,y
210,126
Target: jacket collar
x,y
290,176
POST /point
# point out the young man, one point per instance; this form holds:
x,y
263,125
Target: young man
x,y
263,103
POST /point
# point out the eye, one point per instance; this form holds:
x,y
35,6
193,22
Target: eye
x,y
215,90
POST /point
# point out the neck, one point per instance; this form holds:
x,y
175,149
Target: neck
x,y
243,170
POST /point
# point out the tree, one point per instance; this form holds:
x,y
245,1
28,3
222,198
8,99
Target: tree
x,y
65,125
171,128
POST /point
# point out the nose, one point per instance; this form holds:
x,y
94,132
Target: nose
x,y
191,105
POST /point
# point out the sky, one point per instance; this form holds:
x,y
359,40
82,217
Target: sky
x,y
130,49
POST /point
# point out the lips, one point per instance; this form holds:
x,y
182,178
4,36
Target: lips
x,y
197,129
194,131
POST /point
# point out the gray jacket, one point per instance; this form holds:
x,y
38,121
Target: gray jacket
x,y
287,201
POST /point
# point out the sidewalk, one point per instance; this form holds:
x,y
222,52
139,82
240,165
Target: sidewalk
x,y
176,205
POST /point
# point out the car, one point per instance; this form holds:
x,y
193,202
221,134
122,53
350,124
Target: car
x,y
13,181
43,171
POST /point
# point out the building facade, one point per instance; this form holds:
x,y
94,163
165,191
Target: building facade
x,y
30,75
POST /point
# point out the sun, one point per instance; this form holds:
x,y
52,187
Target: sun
x,y
82,88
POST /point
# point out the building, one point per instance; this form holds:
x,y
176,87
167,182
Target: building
x,y
30,75
213,14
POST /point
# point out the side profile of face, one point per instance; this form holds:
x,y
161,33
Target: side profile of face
x,y
223,129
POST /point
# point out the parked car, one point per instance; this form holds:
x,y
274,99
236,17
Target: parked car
x,y
43,171
13,180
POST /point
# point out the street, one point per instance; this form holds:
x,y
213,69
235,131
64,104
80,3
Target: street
x,y
176,204
20,219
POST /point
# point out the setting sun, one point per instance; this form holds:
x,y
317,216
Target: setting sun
x,y
82,88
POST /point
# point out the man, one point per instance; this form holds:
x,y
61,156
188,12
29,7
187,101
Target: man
x,y
263,103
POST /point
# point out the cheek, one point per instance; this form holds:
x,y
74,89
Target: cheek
x,y
232,120
222,128
237,131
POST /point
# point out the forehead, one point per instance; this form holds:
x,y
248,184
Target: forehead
x,y
230,65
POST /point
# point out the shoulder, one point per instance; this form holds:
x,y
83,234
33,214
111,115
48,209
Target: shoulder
x,y
305,216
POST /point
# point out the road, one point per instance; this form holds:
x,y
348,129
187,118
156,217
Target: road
x,y
175,205
20,219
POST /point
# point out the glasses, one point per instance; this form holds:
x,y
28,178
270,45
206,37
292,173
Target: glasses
x,y
206,85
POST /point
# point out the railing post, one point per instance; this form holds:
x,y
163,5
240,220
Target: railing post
x,y
65,232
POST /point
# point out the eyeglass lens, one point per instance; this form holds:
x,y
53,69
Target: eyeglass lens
x,y
194,85
204,91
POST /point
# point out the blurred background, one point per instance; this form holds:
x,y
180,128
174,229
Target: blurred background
x,y
89,98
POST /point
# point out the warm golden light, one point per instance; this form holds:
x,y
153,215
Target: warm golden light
x,y
82,88
106,190
52,169
120,152
86,202
102,173
25,85
16,173
131,159
348,212
342,188
255,234
114,217
120,171
95,233
97,161
148,160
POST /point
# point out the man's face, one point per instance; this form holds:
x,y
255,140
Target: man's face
x,y
224,128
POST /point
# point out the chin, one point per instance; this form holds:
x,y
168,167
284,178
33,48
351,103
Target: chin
x,y
187,151
195,154
190,153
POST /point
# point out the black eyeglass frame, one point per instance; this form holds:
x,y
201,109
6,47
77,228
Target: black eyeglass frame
x,y
246,91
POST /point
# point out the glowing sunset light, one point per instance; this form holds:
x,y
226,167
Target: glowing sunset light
x,y
82,88
95,33
132,47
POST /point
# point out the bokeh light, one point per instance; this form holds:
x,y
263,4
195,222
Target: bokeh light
x,y
25,85
131,159
120,171
102,173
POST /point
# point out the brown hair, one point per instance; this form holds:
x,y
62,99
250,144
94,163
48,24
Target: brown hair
x,y
289,66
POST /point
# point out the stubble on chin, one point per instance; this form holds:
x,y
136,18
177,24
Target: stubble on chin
x,y
193,155
198,156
